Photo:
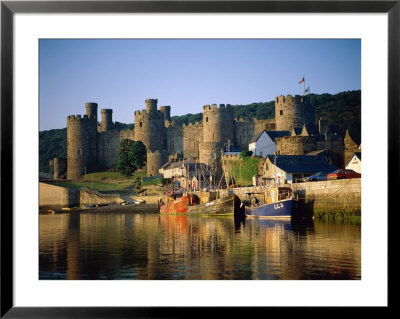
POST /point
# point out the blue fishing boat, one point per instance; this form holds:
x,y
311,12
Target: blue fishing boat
x,y
278,203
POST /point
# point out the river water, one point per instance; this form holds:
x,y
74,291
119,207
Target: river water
x,y
153,247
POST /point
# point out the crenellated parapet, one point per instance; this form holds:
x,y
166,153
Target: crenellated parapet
x,y
221,107
291,100
192,125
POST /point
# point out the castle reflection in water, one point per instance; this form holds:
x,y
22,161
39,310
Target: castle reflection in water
x,y
153,247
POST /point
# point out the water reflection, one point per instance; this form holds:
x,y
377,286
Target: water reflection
x,y
152,246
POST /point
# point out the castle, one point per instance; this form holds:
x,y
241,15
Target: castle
x,y
94,145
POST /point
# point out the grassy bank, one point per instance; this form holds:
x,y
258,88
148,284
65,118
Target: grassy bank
x,y
111,187
104,182
112,176
243,169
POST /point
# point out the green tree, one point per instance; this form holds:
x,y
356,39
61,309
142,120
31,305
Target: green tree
x,y
245,153
132,156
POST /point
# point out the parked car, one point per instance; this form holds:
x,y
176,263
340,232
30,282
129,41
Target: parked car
x,y
343,173
320,176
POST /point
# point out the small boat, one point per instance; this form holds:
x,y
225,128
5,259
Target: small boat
x,y
221,206
278,203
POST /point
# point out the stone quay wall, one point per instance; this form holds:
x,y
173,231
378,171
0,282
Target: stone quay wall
x,y
330,197
88,197
55,196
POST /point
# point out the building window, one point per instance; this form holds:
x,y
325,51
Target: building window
x,y
206,119
79,152
140,124
281,112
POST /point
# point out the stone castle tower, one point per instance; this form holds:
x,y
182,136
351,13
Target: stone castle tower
x,y
293,112
82,142
218,129
92,144
150,129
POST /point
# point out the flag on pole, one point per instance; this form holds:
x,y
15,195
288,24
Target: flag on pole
x,y
302,80
307,90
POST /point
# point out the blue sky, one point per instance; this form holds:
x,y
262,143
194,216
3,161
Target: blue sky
x,y
186,74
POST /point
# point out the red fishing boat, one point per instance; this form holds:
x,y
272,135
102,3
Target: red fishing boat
x,y
178,205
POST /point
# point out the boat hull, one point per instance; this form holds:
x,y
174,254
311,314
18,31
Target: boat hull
x,y
282,208
221,206
178,206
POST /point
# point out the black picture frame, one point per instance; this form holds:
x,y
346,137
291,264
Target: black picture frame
x,y
9,8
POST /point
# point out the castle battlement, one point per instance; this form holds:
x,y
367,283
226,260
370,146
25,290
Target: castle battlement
x,y
214,107
170,124
192,125
165,107
79,117
151,101
289,99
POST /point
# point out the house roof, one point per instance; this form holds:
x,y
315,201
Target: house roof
x,y
319,152
256,137
302,163
358,154
274,134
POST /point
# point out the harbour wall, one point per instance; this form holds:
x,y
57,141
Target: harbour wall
x,y
93,197
55,196
336,199
51,196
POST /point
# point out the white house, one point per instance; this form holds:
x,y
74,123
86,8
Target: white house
x,y
264,144
354,162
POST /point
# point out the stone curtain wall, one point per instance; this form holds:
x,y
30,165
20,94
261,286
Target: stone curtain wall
x,y
108,148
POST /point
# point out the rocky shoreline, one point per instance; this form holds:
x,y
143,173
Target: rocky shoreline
x,y
143,208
